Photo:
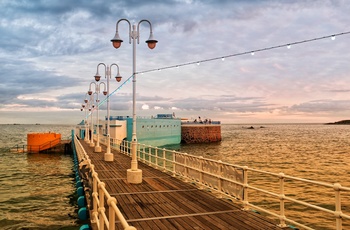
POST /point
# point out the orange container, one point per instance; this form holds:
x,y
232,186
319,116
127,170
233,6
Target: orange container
x,y
37,142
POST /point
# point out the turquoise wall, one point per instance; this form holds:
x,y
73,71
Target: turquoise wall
x,y
155,131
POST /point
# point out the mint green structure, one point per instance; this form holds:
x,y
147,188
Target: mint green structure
x,y
158,131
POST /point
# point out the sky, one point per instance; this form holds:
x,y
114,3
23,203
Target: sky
x,y
50,50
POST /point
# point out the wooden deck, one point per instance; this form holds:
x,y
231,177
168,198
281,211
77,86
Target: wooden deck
x,y
165,202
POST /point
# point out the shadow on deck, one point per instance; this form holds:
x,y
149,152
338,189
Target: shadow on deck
x,y
165,202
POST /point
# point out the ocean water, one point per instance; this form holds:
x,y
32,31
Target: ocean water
x,y
310,151
36,190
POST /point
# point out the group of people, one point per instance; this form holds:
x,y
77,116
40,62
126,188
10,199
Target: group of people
x,y
206,121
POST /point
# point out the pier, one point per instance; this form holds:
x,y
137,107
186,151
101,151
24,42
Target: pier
x,y
182,191
161,201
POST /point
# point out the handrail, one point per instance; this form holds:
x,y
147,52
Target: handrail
x,y
99,194
232,181
24,147
17,148
44,146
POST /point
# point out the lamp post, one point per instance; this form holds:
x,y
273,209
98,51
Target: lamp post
x,y
86,107
91,109
97,91
108,73
134,175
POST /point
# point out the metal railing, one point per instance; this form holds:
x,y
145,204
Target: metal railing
x,y
99,196
35,148
44,146
270,193
18,148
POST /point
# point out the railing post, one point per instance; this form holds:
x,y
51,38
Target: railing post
x,y
245,188
94,193
143,153
282,197
186,167
156,156
138,154
123,146
338,211
111,212
201,169
164,160
149,155
174,164
220,170
101,208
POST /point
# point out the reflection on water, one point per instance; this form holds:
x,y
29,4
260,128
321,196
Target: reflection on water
x,y
36,189
315,151
309,151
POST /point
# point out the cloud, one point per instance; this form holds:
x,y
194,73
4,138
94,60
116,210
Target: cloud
x,y
50,49
323,106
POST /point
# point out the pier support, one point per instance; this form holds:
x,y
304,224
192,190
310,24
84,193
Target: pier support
x,y
98,149
134,176
108,157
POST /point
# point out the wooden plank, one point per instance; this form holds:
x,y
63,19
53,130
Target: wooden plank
x,y
164,202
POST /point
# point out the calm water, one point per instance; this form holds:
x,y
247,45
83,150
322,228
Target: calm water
x,y
36,189
311,151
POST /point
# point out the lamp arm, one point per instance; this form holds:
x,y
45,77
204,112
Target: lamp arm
x,y
91,84
124,19
104,86
99,66
110,68
138,29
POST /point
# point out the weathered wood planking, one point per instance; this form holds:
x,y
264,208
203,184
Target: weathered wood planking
x,y
165,202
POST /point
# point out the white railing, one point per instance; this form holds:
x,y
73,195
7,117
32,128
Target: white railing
x,y
270,193
99,195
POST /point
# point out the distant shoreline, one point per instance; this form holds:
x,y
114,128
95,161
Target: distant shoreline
x,y
342,122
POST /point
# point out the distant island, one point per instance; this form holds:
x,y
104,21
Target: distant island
x,y
343,122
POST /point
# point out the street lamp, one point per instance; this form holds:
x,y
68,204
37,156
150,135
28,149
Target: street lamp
x,y
108,73
91,109
97,91
134,175
86,107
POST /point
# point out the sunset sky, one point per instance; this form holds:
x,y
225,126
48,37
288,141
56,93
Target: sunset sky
x,y
49,51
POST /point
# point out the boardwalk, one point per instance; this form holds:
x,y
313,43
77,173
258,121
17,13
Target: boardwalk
x,y
165,202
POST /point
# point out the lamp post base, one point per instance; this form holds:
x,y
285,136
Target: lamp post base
x,y
98,149
134,176
108,157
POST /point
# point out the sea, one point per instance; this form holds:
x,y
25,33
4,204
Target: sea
x,y
37,191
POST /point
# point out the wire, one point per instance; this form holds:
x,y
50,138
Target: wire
x,y
108,96
252,52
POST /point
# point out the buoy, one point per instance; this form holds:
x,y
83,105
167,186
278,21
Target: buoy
x,y
81,201
78,184
84,227
80,191
83,213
